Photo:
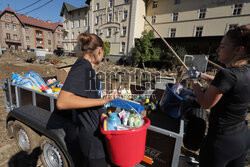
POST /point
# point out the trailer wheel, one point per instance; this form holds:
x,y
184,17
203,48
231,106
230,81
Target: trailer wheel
x,y
26,139
51,155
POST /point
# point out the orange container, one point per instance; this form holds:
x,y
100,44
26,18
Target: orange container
x,y
126,148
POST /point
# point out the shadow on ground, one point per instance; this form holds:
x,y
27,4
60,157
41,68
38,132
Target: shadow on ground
x,y
23,159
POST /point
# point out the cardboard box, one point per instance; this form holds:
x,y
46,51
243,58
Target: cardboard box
x,y
62,74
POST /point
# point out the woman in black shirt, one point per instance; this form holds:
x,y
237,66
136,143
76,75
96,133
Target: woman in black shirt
x,y
80,92
228,96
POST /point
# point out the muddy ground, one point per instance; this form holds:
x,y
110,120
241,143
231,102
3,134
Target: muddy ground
x,y
9,154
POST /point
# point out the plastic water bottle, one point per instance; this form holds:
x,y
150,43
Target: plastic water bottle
x,y
113,121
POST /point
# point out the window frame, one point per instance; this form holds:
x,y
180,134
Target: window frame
x,y
123,47
109,18
153,19
202,13
109,32
155,4
125,11
14,27
7,35
199,31
175,16
237,9
172,33
97,6
7,26
124,29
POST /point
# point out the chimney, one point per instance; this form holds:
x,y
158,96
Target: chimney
x,y
37,18
48,21
27,15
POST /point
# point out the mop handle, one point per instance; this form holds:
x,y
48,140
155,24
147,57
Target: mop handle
x,y
167,45
209,61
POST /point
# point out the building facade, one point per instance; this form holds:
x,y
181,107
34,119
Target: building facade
x,y
75,21
118,22
195,20
24,32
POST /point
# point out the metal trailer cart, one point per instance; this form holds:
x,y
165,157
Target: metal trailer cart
x,y
34,122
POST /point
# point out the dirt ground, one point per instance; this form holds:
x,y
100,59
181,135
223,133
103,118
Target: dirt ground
x,y
9,154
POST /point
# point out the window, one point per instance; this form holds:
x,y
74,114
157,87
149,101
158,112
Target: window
x,y
14,27
126,1
199,31
27,39
123,45
49,42
175,16
66,25
172,32
109,32
155,4
96,20
72,25
72,35
26,30
6,16
125,14
232,26
110,3
97,32
153,19
110,17
85,22
12,18
28,47
237,9
8,36
79,23
97,7
7,26
202,13
177,1
49,34
15,37
79,13
124,31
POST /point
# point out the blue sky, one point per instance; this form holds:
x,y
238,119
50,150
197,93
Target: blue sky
x,y
51,11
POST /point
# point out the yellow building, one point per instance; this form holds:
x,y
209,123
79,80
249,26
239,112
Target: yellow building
x,y
196,21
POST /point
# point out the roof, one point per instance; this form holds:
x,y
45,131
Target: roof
x,y
26,20
38,23
68,7
88,2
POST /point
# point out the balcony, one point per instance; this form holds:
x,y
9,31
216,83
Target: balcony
x,y
7,40
65,30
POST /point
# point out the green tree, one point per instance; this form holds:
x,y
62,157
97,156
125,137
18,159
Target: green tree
x,y
144,50
106,49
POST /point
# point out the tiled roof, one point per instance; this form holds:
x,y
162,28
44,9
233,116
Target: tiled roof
x,y
26,20
38,23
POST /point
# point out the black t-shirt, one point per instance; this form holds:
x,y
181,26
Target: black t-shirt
x,y
82,81
231,109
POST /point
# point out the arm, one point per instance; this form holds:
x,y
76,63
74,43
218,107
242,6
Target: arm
x,y
207,77
208,98
67,100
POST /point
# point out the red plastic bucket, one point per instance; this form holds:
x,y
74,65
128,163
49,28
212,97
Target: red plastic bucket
x,y
127,147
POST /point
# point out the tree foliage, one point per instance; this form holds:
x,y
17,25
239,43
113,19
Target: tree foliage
x,y
106,49
144,50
